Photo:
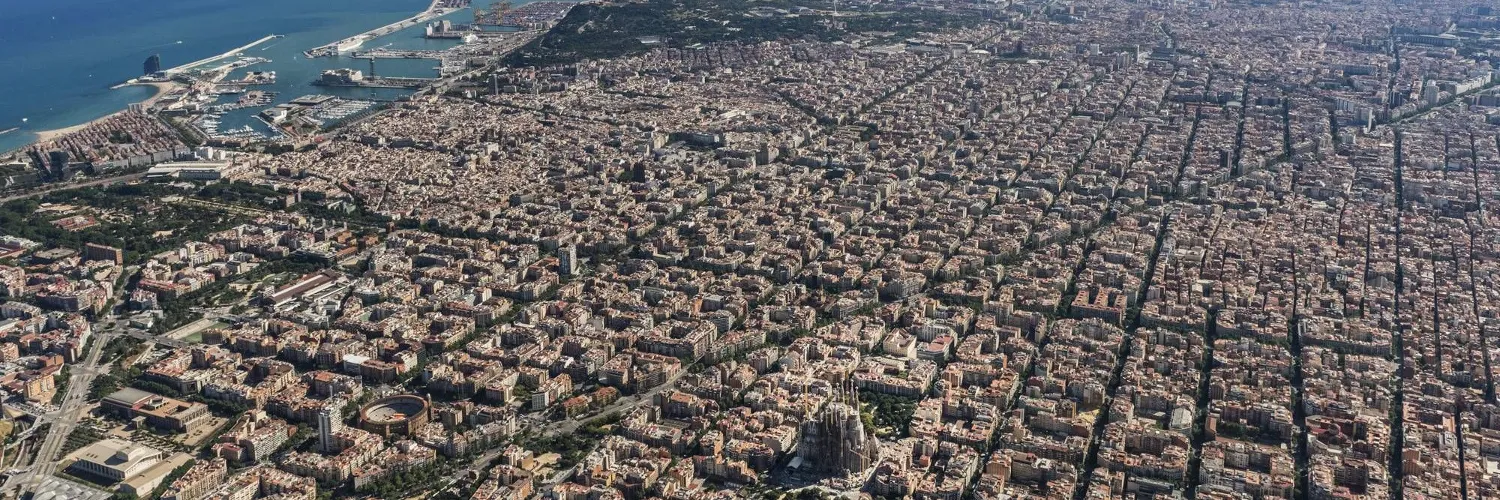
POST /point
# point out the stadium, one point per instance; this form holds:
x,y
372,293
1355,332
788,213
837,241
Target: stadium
x,y
394,415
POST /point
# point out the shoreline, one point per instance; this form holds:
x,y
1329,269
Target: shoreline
x,y
162,88
51,135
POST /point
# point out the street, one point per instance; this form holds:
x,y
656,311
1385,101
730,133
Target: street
x,y
37,477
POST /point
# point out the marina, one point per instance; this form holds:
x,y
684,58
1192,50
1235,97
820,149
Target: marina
x,y
250,99
408,62
339,112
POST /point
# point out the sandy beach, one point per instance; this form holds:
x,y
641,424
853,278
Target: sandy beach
x,y
161,89
50,135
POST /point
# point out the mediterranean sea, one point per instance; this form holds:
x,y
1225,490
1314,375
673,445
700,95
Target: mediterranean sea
x,y
60,57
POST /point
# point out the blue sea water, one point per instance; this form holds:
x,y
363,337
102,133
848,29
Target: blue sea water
x,y
59,58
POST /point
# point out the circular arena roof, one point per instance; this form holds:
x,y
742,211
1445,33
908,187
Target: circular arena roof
x,y
393,409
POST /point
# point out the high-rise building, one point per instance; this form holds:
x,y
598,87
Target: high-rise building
x,y
1430,93
153,64
330,420
567,260
836,441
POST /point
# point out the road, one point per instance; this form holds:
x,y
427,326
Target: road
x,y
190,329
38,477
622,405
226,207
63,421
159,339
1458,99
75,185
474,468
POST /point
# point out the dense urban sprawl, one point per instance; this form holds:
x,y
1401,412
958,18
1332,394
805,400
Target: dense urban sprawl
x,y
1100,249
